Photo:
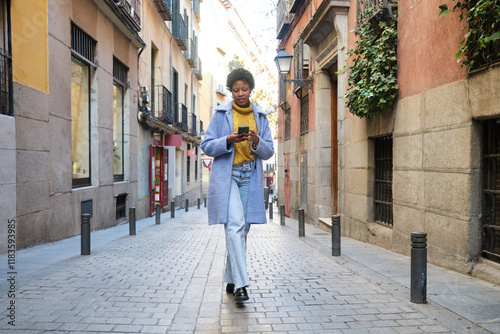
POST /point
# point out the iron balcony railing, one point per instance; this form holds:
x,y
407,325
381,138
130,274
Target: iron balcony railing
x,y
132,8
191,53
377,6
198,70
161,104
164,7
196,9
193,124
180,31
283,18
183,125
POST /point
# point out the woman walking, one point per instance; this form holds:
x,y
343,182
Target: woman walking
x,y
238,138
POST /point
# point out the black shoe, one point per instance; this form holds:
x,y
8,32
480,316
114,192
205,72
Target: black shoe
x,y
230,288
240,295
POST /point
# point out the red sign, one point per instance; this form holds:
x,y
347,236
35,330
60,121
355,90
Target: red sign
x,y
207,162
190,153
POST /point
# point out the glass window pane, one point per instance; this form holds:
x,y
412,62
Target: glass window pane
x,y
117,129
80,120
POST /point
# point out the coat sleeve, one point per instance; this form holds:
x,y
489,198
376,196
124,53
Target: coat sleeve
x,y
215,142
265,149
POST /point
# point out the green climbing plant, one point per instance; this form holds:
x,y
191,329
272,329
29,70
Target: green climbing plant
x,y
481,44
372,78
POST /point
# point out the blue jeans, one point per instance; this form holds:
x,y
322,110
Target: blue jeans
x,y
236,227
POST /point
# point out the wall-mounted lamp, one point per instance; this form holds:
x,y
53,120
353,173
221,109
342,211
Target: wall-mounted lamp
x,y
283,62
144,95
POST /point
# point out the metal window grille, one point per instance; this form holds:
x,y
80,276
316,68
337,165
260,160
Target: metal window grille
x,y
196,165
491,191
193,124
188,167
378,6
287,123
304,115
383,180
120,71
121,206
82,44
184,120
6,103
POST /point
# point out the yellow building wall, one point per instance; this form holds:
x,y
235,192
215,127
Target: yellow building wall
x,y
30,51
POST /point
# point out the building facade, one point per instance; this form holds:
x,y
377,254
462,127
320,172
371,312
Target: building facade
x,y
169,81
68,115
427,164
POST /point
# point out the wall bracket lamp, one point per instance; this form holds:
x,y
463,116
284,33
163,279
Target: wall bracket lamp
x,y
283,62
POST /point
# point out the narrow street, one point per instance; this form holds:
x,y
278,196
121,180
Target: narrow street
x,y
168,279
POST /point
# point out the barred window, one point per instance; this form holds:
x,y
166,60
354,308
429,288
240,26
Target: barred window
x,y
287,123
82,45
304,115
383,180
6,103
491,191
120,71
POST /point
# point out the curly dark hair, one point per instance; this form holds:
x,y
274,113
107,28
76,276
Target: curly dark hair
x,y
240,74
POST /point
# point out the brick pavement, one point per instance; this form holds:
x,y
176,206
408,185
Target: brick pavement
x,y
167,279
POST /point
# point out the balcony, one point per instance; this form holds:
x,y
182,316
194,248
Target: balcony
x,y
294,5
377,6
183,125
283,18
197,70
164,7
180,31
196,9
192,129
132,9
161,104
191,53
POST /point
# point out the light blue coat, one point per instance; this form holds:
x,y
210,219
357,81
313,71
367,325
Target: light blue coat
x,y
215,145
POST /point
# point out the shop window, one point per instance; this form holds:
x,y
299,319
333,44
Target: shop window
x,y
120,79
83,51
491,191
383,180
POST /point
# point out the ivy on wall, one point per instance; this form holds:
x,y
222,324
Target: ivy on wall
x,y
373,75
481,44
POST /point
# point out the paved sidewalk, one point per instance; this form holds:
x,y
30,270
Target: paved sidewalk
x,y
167,279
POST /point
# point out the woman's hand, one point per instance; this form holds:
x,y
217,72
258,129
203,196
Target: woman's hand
x,y
252,136
236,138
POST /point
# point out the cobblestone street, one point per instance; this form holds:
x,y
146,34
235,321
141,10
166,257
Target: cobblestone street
x,y
168,279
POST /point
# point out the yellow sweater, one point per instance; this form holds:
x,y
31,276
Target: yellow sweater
x,y
242,117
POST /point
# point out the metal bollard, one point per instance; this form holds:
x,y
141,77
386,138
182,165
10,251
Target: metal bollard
x,y
271,210
131,221
85,237
418,293
335,235
158,213
205,202
282,214
301,223
199,203
187,205
266,196
172,209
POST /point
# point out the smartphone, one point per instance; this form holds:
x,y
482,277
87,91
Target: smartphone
x,y
243,129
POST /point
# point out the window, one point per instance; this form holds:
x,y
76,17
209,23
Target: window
x,y
491,191
120,79
196,164
383,180
121,206
83,51
288,122
5,60
188,167
304,115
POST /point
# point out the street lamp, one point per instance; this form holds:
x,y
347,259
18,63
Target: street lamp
x,y
283,62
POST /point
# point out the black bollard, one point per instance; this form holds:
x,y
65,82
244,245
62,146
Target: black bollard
x,y
418,267
85,237
172,209
266,196
205,202
199,203
271,210
302,231
131,221
282,214
158,214
335,235
187,205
